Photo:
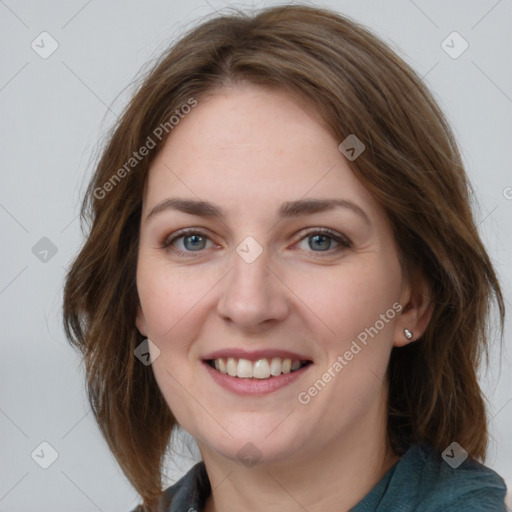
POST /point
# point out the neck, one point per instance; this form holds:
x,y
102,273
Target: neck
x,y
335,478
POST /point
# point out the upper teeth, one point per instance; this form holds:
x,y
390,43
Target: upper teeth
x,y
260,369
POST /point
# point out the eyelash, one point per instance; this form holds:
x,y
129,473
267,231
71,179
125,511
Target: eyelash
x,y
343,242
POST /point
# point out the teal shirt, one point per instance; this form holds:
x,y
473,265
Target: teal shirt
x,y
421,481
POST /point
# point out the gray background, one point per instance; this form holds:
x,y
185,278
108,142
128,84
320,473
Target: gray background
x,y
55,111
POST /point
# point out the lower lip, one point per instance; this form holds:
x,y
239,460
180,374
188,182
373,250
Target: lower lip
x,y
255,386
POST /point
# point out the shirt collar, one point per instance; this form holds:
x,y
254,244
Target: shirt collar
x,y
188,494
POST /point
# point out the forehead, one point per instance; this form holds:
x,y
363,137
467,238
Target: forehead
x,y
252,145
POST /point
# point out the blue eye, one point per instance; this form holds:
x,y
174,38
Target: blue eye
x,y
322,240
192,241
195,242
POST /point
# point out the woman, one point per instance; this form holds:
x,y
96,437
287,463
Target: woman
x,y
282,260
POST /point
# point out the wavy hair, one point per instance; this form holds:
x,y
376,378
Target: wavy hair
x,y
411,165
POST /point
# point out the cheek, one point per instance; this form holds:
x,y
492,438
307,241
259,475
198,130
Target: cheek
x,y
350,298
355,326
169,296
169,301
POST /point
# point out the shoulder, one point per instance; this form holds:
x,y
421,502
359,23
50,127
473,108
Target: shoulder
x,y
451,484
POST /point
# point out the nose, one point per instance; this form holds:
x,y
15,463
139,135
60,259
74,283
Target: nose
x,y
253,297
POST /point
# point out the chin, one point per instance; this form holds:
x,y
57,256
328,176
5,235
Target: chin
x,y
261,444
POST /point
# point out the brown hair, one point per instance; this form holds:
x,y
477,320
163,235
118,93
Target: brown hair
x,y
411,165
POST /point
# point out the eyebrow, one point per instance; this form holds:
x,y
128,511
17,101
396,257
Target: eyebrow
x,y
288,209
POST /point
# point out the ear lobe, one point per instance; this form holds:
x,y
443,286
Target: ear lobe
x,y
416,314
140,321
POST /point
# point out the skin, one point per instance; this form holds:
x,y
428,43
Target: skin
x,y
248,149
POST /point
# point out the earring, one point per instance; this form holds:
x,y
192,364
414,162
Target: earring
x,y
408,334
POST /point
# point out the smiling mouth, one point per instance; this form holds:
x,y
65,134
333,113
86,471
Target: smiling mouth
x,y
259,369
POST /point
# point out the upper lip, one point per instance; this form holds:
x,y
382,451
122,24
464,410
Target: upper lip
x,y
255,355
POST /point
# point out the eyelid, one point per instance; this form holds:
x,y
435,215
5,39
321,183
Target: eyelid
x,y
168,239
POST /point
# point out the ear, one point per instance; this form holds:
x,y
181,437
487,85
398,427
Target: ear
x,y
140,321
416,299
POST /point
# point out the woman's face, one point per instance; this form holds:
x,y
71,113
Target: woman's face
x,y
247,263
